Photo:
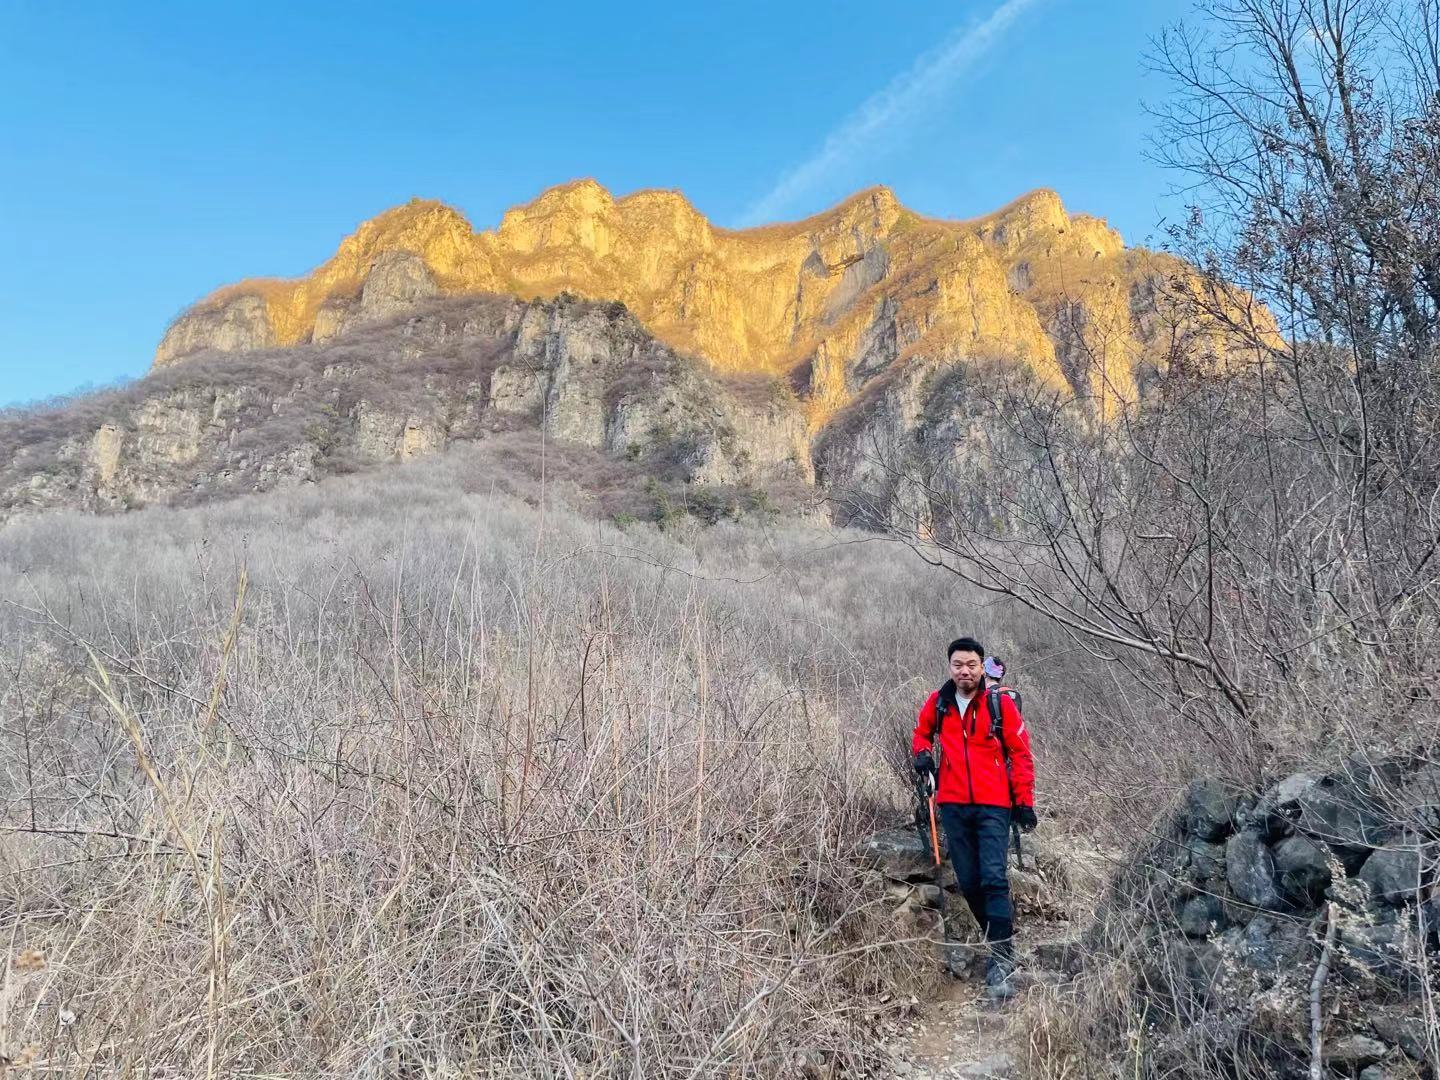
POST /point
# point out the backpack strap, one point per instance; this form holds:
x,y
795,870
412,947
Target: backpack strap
x,y
940,709
997,729
997,719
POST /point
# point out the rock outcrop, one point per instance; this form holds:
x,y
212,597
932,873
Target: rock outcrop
x,y
840,297
394,387
841,352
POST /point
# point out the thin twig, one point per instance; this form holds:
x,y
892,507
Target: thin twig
x,y
1317,984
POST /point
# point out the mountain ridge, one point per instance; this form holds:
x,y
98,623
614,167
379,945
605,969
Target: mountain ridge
x,y
1028,282
812,357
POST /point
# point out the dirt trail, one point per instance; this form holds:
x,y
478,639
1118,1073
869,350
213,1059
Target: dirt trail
x,y
954,1033
958,1034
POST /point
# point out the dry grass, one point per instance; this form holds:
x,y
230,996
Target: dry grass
x,y
453,786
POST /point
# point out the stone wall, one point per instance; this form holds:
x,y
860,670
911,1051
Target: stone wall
x,y
1223,921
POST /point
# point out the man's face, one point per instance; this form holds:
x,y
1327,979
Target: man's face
x,y
965,669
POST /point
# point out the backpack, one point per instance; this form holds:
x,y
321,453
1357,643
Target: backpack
x,y
992,704
997,718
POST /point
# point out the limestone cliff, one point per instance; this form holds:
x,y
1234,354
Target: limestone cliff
x,y
825,357
585,376
837,298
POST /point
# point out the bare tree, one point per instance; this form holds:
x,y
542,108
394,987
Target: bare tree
x,y
1255,537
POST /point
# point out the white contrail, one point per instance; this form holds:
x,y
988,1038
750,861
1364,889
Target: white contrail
x,y
909,93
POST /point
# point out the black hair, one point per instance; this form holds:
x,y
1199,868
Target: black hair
x,y
965,644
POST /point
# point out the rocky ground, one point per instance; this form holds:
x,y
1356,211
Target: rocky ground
x,y
956,1034
951,1031
1222,931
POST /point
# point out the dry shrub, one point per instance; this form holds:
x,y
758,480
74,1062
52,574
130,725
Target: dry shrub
x,y
465,787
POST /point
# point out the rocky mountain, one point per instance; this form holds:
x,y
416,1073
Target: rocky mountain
x,y
632,327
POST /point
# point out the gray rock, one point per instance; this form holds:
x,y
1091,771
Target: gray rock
x,y
1397,1027
900,855
1272,942
1302,869
1209,810
1353,1052
1206,860
1393,875
1250,870
1344,818
1376,1072
1201,916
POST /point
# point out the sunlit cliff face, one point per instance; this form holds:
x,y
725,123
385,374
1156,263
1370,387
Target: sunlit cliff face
x,y
835,297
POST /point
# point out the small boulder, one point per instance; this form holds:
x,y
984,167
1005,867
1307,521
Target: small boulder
x,y
1250,870
1206,860
1393,875
1302,869
899,854
1209,810
1201,916
1344,818
1397,1027
1353,1052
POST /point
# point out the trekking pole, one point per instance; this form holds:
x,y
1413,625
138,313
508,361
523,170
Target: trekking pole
x,y
1019,855
934,833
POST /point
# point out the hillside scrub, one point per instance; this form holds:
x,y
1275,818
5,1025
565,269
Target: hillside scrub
x,y
1249,543
472,369
384,775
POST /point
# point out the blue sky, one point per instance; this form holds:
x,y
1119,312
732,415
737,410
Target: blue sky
x,y
154,151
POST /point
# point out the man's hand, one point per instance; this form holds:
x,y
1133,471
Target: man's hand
x,y
1025,818
924,764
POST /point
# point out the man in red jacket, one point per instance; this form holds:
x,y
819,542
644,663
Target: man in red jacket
x,y
955,742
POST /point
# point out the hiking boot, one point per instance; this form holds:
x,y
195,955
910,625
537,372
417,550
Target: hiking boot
x,y
999,981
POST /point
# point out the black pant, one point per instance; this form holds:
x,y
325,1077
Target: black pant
x,y
978,838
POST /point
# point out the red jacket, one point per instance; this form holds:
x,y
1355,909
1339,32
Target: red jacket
x,y
972,768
